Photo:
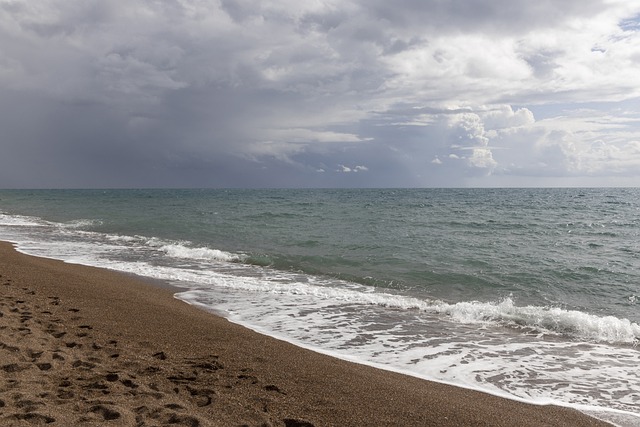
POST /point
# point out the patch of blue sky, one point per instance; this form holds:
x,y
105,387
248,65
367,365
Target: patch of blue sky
x,y
631,24
545,111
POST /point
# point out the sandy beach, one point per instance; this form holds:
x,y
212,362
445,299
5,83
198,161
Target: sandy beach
x,y
87,346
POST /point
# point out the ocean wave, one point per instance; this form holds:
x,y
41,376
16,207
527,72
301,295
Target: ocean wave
x,y
200,253
573,324
31,221
125,238
544,320
178,249
20,221
80,223
550,320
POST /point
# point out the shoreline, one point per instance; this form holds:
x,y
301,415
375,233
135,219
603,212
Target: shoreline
x,y
84,345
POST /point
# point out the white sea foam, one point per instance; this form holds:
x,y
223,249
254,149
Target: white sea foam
x,y
179,249
548,320
20,221
121,238
80,223
200,253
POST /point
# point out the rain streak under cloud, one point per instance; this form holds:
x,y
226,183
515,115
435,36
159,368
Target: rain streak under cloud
x,y
319,94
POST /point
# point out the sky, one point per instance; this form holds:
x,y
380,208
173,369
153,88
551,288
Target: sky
x,y
344,93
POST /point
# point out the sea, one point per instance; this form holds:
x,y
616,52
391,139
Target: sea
x,y
531,294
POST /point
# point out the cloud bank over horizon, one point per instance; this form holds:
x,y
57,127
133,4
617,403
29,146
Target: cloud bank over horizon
x,y
190,93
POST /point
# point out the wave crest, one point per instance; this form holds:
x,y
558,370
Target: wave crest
x,y
200,253
20,221
553,320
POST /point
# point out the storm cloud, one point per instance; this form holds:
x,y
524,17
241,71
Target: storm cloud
x,y
185,93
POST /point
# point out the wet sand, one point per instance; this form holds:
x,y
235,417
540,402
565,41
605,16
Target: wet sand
x,y
87,346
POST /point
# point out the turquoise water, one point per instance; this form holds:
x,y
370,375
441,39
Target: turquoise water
x,y
529,293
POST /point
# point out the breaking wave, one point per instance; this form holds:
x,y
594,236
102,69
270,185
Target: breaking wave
x,y
552,320
543,320
176,250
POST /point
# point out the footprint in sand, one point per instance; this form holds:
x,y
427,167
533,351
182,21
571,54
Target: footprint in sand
x,y
33,418
201,397
128,383
275,388
9,348
56,334
81,364
65,394
28,405
112,377
34,355
290,422
160,355
107,413
165,415
13,367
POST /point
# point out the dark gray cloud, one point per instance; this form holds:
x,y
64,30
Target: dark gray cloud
x,y
286,93
485,16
